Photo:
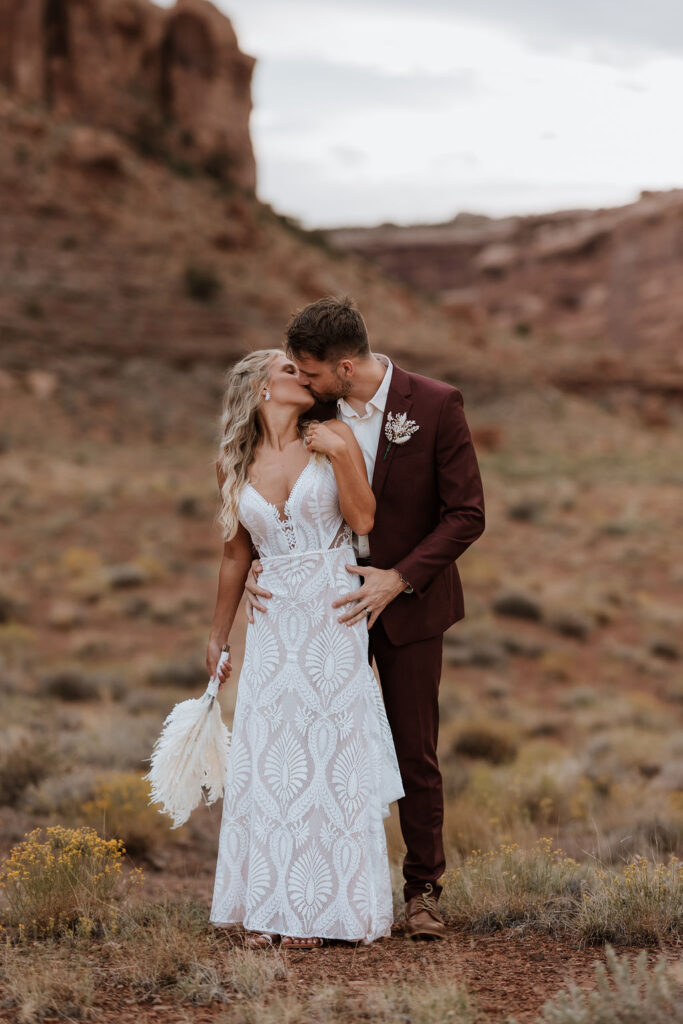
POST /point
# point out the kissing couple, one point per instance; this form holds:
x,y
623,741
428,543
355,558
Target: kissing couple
x,y
348,489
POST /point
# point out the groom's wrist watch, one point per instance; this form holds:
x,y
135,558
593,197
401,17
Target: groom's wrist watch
x,y
407,589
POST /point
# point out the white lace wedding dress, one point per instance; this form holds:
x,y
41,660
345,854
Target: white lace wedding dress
x,y
312,767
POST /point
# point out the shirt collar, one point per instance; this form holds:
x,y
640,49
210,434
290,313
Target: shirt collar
x,y
379,399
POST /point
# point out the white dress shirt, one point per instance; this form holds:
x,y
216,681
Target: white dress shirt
x,y
366,429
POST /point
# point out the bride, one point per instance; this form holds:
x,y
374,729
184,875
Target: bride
x,y
312,769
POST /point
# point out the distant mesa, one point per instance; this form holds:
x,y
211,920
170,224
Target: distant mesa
x,y
600,291
172,81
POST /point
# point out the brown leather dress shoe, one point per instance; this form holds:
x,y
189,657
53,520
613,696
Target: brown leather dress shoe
x,y
423,917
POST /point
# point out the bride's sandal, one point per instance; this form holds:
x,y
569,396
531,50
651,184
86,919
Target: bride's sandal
x,y
260,940
292,942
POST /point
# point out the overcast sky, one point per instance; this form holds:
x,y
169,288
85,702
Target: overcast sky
x,y
395,110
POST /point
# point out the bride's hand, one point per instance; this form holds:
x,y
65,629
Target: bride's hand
x,y
213,654
320,438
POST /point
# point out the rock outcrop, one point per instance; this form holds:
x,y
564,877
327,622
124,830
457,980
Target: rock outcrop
x,y
595,295
172,81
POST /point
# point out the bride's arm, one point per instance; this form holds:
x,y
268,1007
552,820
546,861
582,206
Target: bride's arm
x,y
232,574
356,500
234,567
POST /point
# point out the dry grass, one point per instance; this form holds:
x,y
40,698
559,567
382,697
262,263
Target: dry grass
x,y
48,985
544,888
251,973
624,994
600,798
539,887
155,950
120,807
432,1000
64,879
642,905
488,741
24,761
164,947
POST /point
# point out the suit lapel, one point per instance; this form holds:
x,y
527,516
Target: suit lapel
x,y
398,400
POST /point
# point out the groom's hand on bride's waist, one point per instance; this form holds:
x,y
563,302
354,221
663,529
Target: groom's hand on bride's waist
x,y
380,587
253,592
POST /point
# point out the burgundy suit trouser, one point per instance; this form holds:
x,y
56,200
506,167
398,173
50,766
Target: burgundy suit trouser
x,y
409,676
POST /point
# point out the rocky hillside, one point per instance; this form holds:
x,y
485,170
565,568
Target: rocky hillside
x,y
136,262
116,267
596,296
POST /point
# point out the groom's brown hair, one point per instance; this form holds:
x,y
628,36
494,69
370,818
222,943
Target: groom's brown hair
x,y
327,329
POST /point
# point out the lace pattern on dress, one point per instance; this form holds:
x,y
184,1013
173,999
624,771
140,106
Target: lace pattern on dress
x,y
312,766
342,537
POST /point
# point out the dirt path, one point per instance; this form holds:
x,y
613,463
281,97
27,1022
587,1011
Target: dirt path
x,y
508,974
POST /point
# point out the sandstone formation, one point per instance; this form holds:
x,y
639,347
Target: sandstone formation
x,y
173,81
596,295
128,285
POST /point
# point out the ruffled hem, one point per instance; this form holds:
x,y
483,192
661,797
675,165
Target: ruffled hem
x,y
366,939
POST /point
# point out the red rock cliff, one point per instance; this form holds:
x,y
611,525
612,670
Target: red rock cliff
x,y
174,81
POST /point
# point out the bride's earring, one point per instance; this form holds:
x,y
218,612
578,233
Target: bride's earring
x,y
267,396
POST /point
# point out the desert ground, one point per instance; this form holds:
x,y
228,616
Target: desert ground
x,y
133,272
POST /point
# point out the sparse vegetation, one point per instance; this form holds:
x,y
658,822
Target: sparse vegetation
x,y
70,683
120,807
624,994
539,887
560,701
436,1000
643,904
201,282
24,761
165,947
49,985
488,742
545,889
63,879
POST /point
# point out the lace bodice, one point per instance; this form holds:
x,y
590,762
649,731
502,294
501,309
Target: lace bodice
x,y
313,519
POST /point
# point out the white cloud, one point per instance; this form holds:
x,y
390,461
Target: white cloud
x,y
380,110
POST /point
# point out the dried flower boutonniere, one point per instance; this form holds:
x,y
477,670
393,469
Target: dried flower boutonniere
x,y
398,429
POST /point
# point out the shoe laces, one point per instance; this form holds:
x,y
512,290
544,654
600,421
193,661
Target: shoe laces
x,y
427,901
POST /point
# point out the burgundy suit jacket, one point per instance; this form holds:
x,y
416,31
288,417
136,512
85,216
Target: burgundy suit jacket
x,y
430,504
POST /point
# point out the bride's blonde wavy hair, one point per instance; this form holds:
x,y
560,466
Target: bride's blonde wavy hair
x,y
240,429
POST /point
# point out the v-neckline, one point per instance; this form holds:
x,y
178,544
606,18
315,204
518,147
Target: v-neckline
x,y
271,504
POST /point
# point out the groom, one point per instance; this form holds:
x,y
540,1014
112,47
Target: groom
x,y
430,507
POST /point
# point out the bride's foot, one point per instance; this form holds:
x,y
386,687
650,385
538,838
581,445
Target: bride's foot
x,y
260,940
292,942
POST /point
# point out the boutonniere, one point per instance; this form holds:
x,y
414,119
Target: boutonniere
x,y
398,429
